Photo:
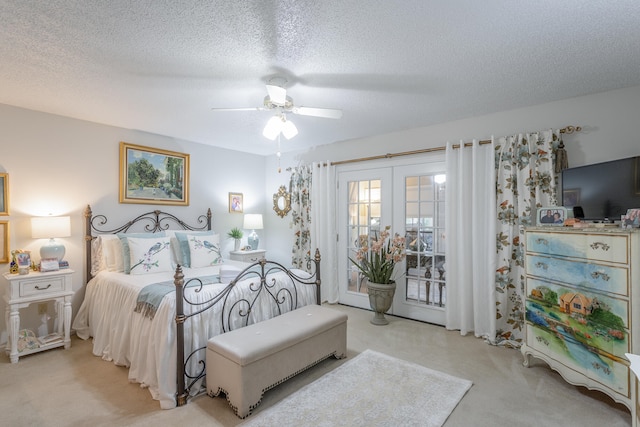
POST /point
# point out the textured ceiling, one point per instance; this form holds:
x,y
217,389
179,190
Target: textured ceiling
x,y
160,65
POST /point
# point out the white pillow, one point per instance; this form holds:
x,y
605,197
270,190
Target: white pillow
x,y
98,259
149,255
204,250
184,245
112,252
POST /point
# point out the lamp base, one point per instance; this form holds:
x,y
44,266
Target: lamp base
x,y
253,240
52,249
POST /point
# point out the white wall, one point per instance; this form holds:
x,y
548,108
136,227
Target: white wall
x,y
608,119
59,165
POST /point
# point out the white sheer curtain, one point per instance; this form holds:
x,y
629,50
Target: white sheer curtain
x,y
471,239
323,227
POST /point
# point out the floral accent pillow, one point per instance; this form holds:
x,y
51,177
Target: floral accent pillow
x,y
204,250
149,255
183,237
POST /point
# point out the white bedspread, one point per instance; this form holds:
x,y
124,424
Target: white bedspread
x,y
148,347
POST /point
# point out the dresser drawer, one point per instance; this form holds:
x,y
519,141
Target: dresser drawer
x,y
598,247
609,372
40,287
601,277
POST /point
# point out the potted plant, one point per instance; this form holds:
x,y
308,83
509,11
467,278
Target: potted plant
x,y
377,263
236,234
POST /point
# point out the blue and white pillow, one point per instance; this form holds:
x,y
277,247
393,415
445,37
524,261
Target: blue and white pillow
x,y
204,250
184,244
124,240
149,255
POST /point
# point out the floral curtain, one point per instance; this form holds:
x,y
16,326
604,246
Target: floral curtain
x,y
300,187
525,181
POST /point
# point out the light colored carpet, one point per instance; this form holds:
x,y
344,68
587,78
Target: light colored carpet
x,y
370,389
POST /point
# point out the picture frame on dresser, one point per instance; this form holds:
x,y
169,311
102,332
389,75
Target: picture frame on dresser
x,y
4,242
551,216
4,194
153,176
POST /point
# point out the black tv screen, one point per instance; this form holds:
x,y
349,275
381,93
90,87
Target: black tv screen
x,y
604,190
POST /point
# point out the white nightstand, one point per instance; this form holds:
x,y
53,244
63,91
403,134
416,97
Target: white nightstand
x,y
36,287
248,256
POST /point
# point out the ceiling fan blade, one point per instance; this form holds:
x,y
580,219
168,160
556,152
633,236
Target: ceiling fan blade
x,y
240,109
277,94
327,113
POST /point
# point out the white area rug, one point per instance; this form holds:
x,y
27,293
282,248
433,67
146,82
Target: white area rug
x,y
372,389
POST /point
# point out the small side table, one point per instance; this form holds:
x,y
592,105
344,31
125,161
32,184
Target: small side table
x,y
248,256
36,287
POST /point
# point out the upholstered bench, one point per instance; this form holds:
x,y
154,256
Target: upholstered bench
x,y
246,362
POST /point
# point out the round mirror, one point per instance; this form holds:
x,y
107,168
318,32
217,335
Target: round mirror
x,y
282,202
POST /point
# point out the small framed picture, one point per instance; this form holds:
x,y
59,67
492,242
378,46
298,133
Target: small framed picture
x,y
631,219
235,202
554,215
23,259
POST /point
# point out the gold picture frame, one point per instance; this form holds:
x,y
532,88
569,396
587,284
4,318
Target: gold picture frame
x,y
4,194
4,242
236,202
153,176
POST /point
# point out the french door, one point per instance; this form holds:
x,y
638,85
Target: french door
x,y
361,214
409,198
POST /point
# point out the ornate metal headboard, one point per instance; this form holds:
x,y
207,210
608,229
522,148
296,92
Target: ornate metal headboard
x,y
152,222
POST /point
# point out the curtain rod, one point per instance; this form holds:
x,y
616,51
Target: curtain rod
x,y
567,130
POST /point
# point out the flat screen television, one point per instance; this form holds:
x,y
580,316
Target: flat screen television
x,y
604,191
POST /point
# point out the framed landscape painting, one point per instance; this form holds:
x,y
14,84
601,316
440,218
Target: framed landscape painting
x,y
153,176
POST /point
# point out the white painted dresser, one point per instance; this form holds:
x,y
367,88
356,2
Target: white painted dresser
x,y
583,305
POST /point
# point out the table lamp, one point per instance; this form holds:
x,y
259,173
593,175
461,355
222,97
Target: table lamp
x,y
50,227
253,222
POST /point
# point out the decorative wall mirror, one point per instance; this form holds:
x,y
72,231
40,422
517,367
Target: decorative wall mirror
x,y
282,202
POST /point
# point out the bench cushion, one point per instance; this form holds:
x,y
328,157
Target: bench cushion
x,y
246,345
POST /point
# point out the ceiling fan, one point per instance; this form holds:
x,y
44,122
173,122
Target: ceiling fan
x,y
278,101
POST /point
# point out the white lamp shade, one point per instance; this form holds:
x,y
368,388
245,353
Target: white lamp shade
x,y
253,221
289,130
47,227
273,128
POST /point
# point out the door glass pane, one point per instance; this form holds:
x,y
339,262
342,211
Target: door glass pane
x,y
364,224
424,232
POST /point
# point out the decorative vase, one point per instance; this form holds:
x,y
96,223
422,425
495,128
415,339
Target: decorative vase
x,y
237,245
380,300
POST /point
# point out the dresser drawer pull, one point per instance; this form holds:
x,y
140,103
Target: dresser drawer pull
x,y
600,245
542,241
43,289
542,265
600,275
543,341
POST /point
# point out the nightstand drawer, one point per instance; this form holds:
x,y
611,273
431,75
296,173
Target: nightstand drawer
x,y
41,286
248,256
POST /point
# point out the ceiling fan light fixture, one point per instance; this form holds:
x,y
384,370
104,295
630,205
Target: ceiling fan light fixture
x,y
277,94
289,130
273,128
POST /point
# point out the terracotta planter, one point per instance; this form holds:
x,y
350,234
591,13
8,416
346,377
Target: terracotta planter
x,y
380,300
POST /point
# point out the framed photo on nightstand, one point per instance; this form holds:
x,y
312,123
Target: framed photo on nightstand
x,y
551,216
